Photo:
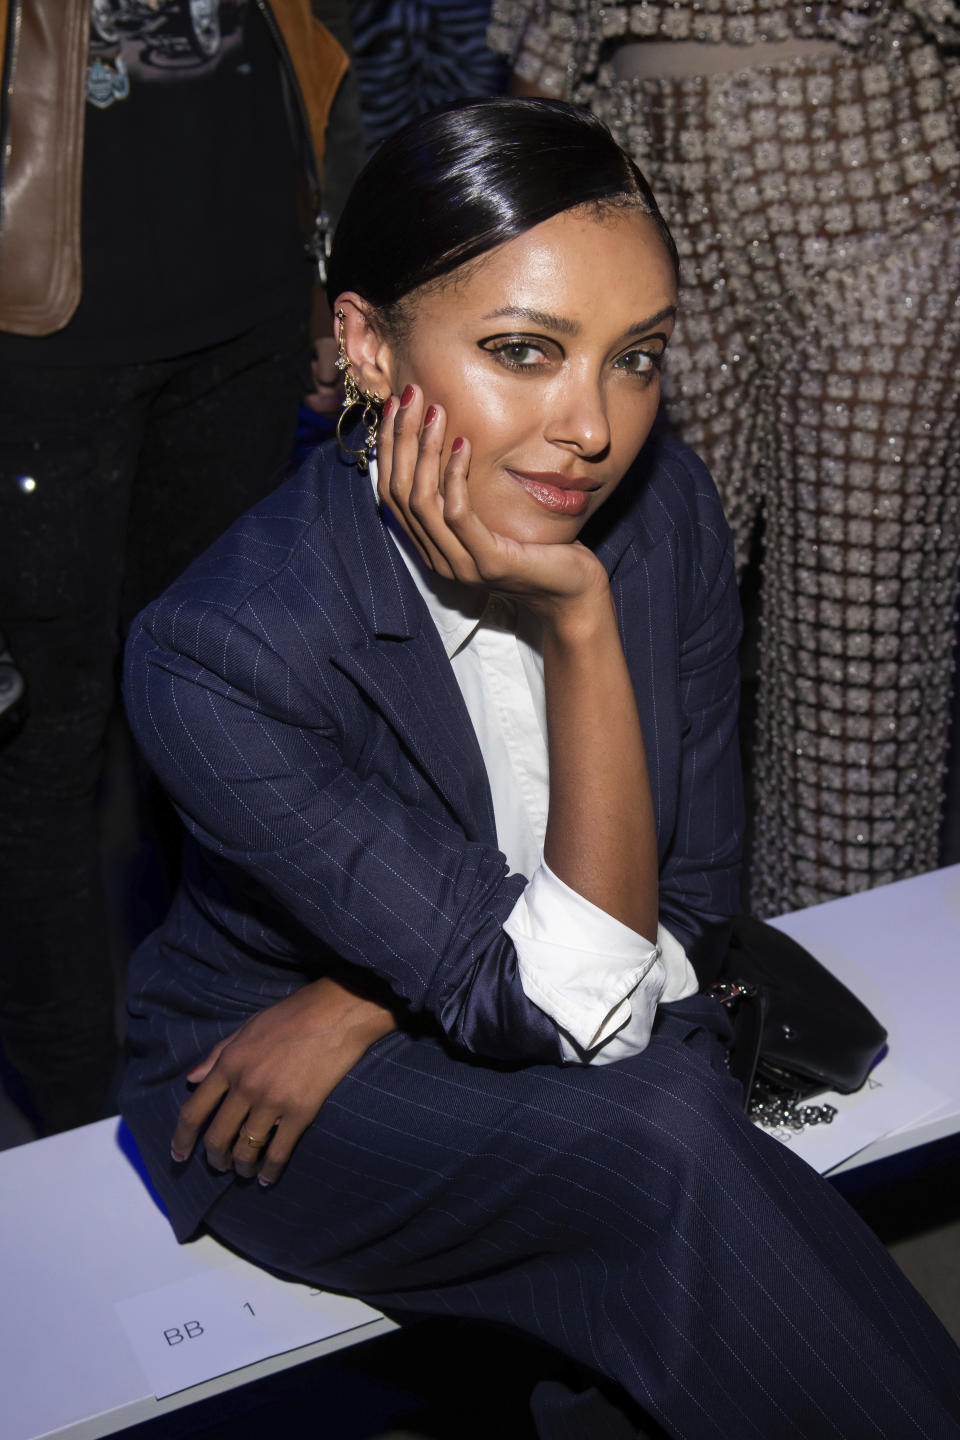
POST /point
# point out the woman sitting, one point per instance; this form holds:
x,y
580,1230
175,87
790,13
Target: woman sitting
x,y
455,741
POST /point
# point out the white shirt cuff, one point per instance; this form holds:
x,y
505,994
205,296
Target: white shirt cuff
x,y
634,1036
588,972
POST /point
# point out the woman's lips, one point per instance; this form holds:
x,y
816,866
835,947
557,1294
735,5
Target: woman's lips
x,y
560,493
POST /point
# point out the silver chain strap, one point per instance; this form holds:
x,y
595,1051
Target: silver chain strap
x,y
775,1108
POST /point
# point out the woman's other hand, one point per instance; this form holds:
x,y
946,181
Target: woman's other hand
x,y
270,1078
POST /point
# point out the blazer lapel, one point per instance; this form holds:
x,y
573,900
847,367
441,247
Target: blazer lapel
x,y
400,663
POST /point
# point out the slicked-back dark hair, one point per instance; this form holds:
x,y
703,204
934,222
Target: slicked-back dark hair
x,y
453,185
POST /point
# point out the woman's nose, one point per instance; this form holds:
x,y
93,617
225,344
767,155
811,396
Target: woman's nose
x,y
579,420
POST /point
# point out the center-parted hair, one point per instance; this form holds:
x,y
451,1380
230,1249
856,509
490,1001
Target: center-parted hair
x,y
454,185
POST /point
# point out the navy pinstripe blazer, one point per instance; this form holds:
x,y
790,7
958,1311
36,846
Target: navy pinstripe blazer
x,y
294,697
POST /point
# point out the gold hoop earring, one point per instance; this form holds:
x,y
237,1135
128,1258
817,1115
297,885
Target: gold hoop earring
x,y
354,396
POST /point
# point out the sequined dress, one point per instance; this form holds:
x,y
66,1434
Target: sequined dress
x,y
815,367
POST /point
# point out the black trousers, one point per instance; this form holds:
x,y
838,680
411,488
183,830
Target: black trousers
x,y
112,479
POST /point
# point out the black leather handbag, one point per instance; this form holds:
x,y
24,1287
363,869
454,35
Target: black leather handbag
x,y
797,1029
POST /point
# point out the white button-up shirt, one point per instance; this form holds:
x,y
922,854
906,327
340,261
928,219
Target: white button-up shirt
x,y
598,980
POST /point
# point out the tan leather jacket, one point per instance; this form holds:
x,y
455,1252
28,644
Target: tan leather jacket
x,y
43,65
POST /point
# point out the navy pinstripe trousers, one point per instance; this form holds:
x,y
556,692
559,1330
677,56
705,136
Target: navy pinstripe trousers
x,y
630,1216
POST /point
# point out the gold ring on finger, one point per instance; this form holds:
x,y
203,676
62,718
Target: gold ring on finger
x,y
252,1140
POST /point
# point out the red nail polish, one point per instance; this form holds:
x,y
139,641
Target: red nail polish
x,y
388,408
406,397
431,415
457,445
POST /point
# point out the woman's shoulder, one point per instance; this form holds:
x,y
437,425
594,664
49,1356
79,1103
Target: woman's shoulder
x,y
267,539
281,541
667,498
281,577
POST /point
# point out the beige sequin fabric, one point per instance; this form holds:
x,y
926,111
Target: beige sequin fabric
x,y
561,46
816,369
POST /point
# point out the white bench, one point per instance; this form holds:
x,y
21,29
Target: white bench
x,y
898,948
80,1232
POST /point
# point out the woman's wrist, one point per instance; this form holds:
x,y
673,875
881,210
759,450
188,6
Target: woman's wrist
x,y
340,1009
375,1022
581,621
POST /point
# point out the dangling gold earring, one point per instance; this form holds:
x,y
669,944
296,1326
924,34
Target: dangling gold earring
x,y
354,396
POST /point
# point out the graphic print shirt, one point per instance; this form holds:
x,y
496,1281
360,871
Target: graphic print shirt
x,y
191,184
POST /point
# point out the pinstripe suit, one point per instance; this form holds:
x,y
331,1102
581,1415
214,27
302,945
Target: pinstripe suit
x,y
296,701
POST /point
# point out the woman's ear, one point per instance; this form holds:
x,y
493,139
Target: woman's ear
x,y
362,341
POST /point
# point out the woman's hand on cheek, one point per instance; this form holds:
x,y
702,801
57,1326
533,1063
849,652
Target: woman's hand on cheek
x,y
410,471
551,579
431,498
267,1082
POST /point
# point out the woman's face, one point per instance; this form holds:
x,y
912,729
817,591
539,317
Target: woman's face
x,y
546,355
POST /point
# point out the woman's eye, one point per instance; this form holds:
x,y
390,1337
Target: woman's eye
x,y
639,362
516,353
520,353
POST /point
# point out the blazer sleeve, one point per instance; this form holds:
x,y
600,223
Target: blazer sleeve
x,y
700,870
256,770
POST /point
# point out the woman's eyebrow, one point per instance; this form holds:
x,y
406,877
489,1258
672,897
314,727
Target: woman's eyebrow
x,y
668,312
542,318
563,326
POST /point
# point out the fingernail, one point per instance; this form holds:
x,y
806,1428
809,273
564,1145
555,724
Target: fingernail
x,y
262,1180
176,1155
407,396
431,415
457,445
389,407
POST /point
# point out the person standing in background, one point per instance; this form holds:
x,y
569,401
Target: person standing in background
x,y
415,56
807,158
159,234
